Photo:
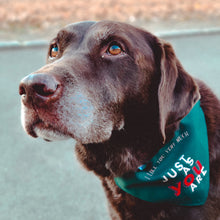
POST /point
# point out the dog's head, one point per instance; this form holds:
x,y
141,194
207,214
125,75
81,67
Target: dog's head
x,y
94,72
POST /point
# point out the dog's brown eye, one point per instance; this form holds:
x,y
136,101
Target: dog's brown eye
x,y
54,51
114,49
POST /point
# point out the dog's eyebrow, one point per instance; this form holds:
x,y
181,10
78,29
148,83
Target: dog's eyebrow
x,y
102,36
65,36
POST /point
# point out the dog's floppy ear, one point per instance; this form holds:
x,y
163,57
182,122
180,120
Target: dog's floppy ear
x,y
177,91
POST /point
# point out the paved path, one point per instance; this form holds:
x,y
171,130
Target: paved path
x,y
43,181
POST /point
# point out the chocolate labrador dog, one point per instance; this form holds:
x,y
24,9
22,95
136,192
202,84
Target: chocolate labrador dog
x,y
122,94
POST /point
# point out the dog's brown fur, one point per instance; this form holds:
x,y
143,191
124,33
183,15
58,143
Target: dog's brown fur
x,y
135,101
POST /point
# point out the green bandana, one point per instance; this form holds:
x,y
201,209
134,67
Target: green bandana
x,y
179,172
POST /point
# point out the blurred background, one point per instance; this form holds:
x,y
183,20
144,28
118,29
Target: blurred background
x,y
27,19
41,180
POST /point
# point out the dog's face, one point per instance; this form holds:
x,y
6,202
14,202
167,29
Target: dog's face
x,y
92,70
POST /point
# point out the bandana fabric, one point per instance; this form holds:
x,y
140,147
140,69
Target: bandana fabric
x,y
179,172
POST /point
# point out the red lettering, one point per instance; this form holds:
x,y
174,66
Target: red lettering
x,y
177,189
191,177
195,168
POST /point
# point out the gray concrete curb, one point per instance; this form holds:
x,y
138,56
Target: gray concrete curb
x,y
188,33
22,44
165,34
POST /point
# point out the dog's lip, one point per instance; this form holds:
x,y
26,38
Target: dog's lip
x,y
42,124
38,123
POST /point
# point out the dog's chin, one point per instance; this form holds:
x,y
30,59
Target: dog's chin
x,y
49,133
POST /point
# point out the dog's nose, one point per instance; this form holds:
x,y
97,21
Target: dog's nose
x,y
39,87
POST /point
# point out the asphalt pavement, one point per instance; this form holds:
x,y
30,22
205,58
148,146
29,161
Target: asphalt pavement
x,y
42,180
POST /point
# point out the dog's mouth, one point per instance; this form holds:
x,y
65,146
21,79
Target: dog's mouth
x,y
48,132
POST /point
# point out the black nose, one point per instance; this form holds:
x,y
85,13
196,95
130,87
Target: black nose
x,y
39,88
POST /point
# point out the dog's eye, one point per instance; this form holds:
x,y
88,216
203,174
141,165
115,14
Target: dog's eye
x,y
114,49
54,51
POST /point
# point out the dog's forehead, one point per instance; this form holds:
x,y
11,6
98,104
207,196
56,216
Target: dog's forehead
x,y
98,30
104,29
86,30
79,28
